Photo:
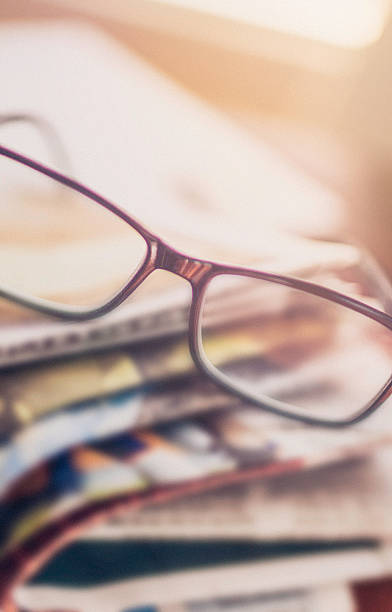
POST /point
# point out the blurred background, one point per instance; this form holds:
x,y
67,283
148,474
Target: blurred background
x,y
310,77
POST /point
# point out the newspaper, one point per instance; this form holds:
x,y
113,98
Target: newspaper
x,y
32,392
302,578
315,599
41,414
341,501
210,451
157,309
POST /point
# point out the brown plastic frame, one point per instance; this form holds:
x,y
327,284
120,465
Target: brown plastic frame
x,y
198,273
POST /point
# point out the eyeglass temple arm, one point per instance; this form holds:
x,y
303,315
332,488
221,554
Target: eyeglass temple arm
x,y
49,135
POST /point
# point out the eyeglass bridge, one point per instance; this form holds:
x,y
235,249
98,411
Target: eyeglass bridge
x,y
182,265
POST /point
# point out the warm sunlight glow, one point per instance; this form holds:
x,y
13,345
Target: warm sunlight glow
x,y
348,23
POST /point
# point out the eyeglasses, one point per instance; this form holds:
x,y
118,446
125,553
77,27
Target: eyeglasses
x,y
287,345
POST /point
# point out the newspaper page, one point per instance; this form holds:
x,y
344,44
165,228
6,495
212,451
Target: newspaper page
x,y
306,583
316,599
158,308
341,501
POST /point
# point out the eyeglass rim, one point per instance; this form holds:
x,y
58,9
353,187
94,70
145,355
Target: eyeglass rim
x,y
266,403
199,273
76,313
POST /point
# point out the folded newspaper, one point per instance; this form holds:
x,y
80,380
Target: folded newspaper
x,y
112,413
88,436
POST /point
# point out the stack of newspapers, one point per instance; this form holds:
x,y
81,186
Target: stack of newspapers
x,y
129,480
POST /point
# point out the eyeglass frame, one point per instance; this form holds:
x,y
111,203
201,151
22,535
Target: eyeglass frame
x,y
199,273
